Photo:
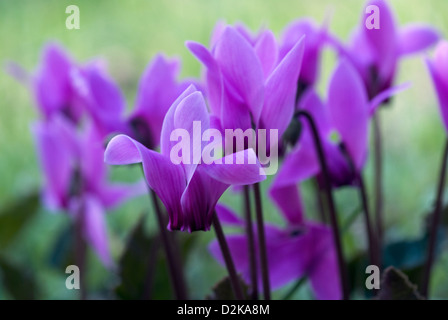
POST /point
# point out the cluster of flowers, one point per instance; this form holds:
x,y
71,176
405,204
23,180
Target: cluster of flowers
x,y
251,81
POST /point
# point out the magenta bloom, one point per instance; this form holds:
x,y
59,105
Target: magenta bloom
x,y
315,41
376,52
438,68
75,178
342,120
188,191
302,248
248,83
61,86
157,91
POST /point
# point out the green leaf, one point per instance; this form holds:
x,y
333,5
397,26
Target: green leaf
x,y
63,253
15,215
18,281
395,285
223,290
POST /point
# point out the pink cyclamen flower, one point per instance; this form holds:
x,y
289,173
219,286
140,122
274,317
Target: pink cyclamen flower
x,y
302,248
376,52
75,178
248,84
158,89
438,68
189,191
62,86
342,120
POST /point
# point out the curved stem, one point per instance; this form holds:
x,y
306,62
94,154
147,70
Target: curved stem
x,y
251,244
378,176
435,225
331,205
262,243
177,277
236,285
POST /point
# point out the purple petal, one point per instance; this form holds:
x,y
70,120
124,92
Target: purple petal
x,y
324,270
312,103
281,88
417,37
199,200
267,51
56,150
386,94
301,164
193,110
289,201
104,100
166,179
243,70
168,123
440,83
227,216
213,75
383,41
52,85
347,102
158,89
113,195
96,229
241,168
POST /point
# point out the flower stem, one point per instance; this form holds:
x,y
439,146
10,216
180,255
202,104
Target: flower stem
x,y
378,173
374,253
177,277
236,285
251,244
331,205
262,243
80,252
152,261
435,225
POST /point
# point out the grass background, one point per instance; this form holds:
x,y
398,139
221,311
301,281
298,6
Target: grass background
x,y
128,34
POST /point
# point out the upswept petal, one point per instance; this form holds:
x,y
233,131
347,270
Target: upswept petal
x,y
416,37
240,168
166,179
347,101
281,89
267,51
95,228
242,68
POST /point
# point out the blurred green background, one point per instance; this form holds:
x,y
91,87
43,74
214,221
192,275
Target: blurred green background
x,y
128,34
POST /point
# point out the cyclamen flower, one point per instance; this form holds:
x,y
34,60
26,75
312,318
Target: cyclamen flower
x,y
316,38
342,120
61,86
376,52
300,249
157,91
438,68
248,86
75,178
189,191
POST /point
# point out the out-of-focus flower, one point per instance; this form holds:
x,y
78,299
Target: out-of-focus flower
x,y
438,68
75,178
157,91
376,52
315,40
248,85
61,86
189,191
300,249
342,120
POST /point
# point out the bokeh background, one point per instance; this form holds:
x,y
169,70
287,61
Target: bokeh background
x,y
127,34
